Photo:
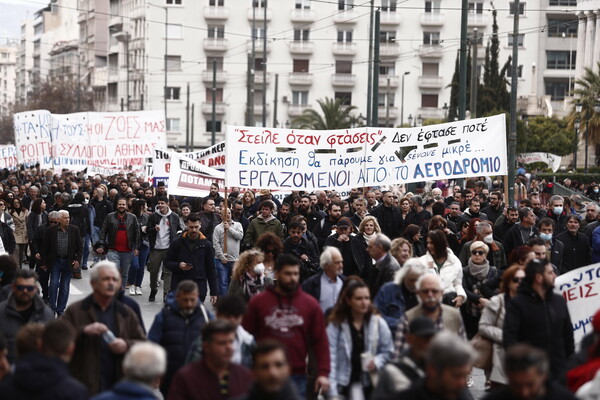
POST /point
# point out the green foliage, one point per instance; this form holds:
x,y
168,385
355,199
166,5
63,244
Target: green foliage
x,y
548,135
588,92
433,121
335,116
579,177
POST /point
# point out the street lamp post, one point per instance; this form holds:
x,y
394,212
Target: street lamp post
x,y
577,124
402,101
124,37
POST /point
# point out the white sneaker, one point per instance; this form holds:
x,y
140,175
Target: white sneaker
x,y
470,381
132,290
138,290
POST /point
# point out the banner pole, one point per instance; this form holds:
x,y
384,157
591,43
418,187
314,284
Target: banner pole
x,y
506,191
224,217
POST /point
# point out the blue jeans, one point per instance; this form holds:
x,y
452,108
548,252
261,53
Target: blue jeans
x,y
223,275
123,261
86,250
138,265
60,279
300,381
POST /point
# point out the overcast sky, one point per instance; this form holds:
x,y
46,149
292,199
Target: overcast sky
x,y
12,12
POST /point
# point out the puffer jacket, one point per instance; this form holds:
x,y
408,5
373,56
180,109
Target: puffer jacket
x,y
451,273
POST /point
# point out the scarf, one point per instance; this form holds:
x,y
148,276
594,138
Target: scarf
x,y
252,285
369,237
479,271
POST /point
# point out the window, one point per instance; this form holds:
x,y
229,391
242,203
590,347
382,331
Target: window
x,y
174,31
387,68
431,38
557,27
346,97
386,99
173,2
557,59
300,66
387,36
301,35
218,95
299,97
259,3
431,69
570,3
344,36
432,7
475,8
259,64
173,93
302,4
388,5
173,63
216,31
557,89
520,39
173,124
217,126
343,67
216,2
429,100
344,5
519,71
258,33
209,63
521,8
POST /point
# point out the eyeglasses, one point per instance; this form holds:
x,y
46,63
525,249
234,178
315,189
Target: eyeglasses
x,y
23,288
517,280
478,252
270,251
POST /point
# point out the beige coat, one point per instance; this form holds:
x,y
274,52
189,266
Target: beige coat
x,y
490,327
20,220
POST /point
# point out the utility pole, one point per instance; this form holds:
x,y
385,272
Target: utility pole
x,y
402,100
187,119
192,130
249,85
78,80
387,104
370,66
166,58
213,129
376,60
275,101
462,78
264,85
254,4
512,133
474,76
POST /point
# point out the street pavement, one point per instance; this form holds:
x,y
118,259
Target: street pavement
x,y
80,288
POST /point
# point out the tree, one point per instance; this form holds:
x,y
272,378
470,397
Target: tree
x,y
547,135
453,110
335,116
588,93
59,96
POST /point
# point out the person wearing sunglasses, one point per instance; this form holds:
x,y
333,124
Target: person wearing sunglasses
x,y
492,322
22,307
479,282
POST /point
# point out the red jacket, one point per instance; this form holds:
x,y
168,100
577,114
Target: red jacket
x,y
296,321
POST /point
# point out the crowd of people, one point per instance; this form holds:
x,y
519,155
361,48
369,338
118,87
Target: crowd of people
x,y
382,294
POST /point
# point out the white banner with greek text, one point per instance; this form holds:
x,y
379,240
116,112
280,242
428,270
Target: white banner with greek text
x,y
290,159
8,156
118,140
213,157
191,178
552,160
581,290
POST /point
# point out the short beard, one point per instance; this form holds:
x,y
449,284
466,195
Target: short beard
x,y
288,289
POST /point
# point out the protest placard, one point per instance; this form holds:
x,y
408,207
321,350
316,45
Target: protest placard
x,y
552,160
191,178
290,159
581,289
8,156
74,141
213,157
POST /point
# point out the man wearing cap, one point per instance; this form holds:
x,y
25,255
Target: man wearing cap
x,y
264,222
409,368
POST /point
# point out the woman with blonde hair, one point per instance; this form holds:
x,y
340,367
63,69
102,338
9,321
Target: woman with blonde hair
x,y
248,199
367,229
248,276
401,250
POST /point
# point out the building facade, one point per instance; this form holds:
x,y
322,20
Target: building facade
x,y
8,75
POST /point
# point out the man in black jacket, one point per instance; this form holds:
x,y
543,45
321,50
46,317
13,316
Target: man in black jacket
x,y
36,249
297,245
540,318
388,216
327,284
102,207
577,251
520,233
385,265
61,251
324,227
495,208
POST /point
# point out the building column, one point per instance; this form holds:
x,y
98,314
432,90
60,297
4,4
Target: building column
x,y
589,39
581,29
596,56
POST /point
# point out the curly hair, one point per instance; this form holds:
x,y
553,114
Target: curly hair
x,y
247,260
269,239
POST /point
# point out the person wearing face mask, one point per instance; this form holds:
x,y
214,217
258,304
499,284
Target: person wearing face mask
x,y
496,255
556,211
177,326
577,251
552,247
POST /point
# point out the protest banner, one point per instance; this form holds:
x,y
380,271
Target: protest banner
x,y
581,289
191,178
552,160
8,156
213,157
74,141
290,159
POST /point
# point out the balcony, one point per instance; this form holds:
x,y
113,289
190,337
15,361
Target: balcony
x,y
345,17
113,74
344,48
430,113
300,79
394,81
430,51
259,14
432,19
259,78
215,44
115,23
303,15
389,50
138,12
477,20
390,18
296,110
301,47
100,77
382,111
219,109
207,76
346,80
258,46
216,13
431,82
258,108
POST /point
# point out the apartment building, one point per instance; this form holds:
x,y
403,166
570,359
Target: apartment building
x,y
8,74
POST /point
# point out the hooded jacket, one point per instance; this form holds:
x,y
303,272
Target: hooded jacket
x,y
259,225
38,376
170,220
